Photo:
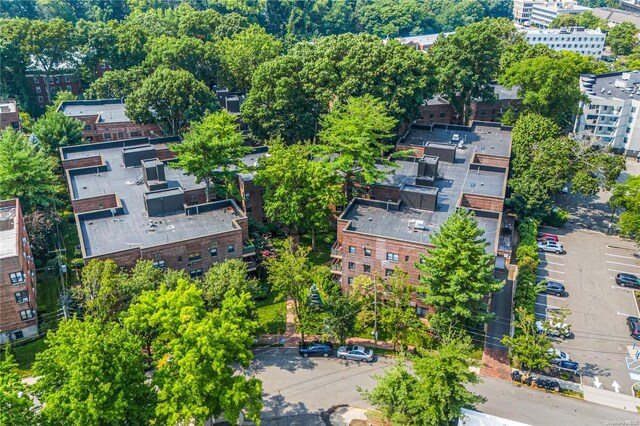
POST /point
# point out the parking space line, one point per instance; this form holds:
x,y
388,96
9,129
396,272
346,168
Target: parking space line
x,y
620,248
552,255
549,278
623,264
617,287
626,315
624,272
550,270
552,263
624,257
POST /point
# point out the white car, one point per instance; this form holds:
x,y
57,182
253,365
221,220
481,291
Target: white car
x,y
553,329
557,356
355,353
550,246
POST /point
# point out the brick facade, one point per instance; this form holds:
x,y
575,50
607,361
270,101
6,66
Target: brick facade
x,y
78,163
251,200
17,292
43,93
95,131
102,202
9,118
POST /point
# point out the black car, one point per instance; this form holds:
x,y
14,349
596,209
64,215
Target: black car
x,y
634,327
627,280
316,348
552,287
569,365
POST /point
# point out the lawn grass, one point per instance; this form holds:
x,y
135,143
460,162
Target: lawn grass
x,y
322,254
272,315
26,355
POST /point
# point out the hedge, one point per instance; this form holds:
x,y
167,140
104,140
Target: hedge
x,y
528,261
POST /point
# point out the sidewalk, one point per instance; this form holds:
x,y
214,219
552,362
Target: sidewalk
x,y
611,399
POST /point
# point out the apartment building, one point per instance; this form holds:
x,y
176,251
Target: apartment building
x,y
129,205
392,225
9,118
610,116
106,120
574,39
422,42
18,306
543,13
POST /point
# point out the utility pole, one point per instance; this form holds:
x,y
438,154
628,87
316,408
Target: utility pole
x,y
375,310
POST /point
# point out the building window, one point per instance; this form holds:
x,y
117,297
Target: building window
x,y
366,269
367,252
633,109
431,115
483,111
214,252
393,257
57,79
18,334
50,80
38,89
406,258
136,134
247,196
443,115
350,280
194,257
352,249
388,272
195,273
107,136
22,296
89,138
17,277
87,126
120,135
68,88
36,80
158,264
39,98
179,258
27,314
67,79
352,266
231,248
421,312
422,260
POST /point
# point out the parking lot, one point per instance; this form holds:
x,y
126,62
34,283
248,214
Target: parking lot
x,y
600,341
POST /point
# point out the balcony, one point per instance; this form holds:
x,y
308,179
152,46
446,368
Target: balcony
x,y
336,250
251,265
249,250
336,267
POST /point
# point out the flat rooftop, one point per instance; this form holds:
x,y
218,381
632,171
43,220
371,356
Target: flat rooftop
x,y
378,221
618,85
107,110
8,232
132,226
562,31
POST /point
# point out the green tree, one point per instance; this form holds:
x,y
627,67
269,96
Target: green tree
x,y
116,84
467,62
212,152
100,292
224,276
389,18
209,25
16,405
342,314
26,172
243,53
529,349
434,393
92,374
196,354
299,190
355,132
458,272
41,226
626,195
171,98
622,38
54,130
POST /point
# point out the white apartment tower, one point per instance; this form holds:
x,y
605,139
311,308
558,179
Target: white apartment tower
x,y
573,39
610,116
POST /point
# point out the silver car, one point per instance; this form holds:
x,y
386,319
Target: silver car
x,y
550,246
355,353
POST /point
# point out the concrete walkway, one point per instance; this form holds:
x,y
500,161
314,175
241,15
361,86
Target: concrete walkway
x,y
611,399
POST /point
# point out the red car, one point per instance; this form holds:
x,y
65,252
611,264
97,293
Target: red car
x,y
548,237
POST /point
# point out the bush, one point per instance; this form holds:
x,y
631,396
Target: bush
x,y
557,218
528,261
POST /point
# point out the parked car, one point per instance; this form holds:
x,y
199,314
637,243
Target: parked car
x,y
634,327
550,246
627,280
552,287
553,329
548,237
316,348
569,365
355,353
558,356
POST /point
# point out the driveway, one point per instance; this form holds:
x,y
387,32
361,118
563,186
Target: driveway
x,y
600,343
296,388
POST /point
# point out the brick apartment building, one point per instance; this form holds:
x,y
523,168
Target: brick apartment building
x,y
9,117
106,120
43,88
18,307
455,167
438,110
251,199
129,205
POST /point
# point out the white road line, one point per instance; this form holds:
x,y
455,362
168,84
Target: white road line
x,y
625,315
552,255
554,297
623,264
620,270
617,287
624,257
550,270
552,263
620,248
549,278
548,306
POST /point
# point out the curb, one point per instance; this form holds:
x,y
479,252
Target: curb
x,y
547,390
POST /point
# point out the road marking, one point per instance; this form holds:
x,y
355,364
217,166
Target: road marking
x,y
597,383
552,296
620,248
623,264
549,278
625,315
552,263
624,257
620,270
552,255
550,270
617,287
547,227
547,306
616,386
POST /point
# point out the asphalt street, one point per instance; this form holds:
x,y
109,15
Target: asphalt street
x,y
293,385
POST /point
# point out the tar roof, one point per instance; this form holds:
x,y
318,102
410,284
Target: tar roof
x,y
8,232
108,110
618,85
134,228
